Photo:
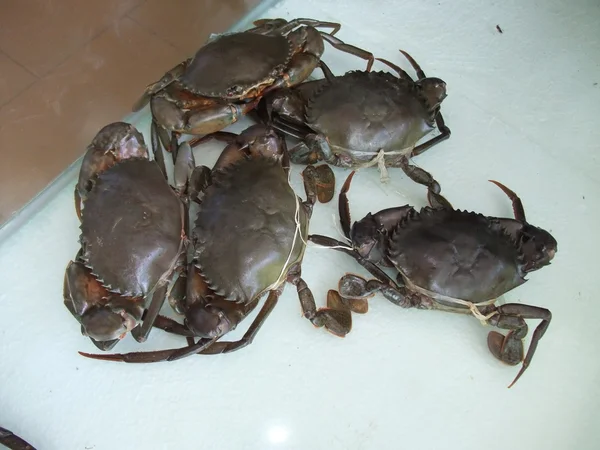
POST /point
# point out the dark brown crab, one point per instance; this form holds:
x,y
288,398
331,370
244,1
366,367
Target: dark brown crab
x,y
451,260
359,119
228,75
249,239
132,237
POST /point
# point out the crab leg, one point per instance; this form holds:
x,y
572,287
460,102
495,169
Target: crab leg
x,y
214,119
157,148
12,441
444,134
319,184
248,337
518,209
166,80
336,321
289,26
418,175
172,326
140,333
351,49
510,316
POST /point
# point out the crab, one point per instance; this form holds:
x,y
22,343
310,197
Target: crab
x,y
133,237
227,76
451,260
249,239
361,118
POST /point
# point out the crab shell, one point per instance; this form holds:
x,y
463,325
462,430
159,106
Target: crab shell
x,y
131,228
260,59
455,254
364,112
246,233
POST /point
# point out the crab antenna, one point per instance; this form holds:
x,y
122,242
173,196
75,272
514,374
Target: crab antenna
x,y
518,209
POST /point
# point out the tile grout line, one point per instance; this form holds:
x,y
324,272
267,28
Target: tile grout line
x,y
26,69
151,31
61,62
24,88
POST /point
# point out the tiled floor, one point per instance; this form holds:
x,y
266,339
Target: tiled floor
x,y
69,67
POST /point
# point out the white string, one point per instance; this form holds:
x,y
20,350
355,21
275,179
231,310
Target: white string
x,y
473,307
338,229
379,160
297,232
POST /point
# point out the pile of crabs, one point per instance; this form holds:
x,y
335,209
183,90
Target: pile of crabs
x,y
214,241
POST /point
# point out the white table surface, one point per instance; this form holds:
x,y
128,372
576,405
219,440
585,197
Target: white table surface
x,y
523,109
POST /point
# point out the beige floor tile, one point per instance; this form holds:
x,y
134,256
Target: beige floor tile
x,y
187,24
47,127
40,34
13,79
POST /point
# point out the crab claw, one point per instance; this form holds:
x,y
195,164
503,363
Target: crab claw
x,y
356,305
354,287
113,143
507,349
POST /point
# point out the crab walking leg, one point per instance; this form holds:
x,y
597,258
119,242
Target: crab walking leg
x,y
12,441
286,27
172,326
353,286
157,148
334,244
336,321
166,80
139,357
424,178
201,118
444,134
248,337
140,333
511,316
351,49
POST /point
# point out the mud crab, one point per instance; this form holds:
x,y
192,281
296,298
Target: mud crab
x,y
249,239
451,260
359,119
132,237
227,76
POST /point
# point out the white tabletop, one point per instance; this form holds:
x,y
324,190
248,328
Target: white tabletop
x,y
523,109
